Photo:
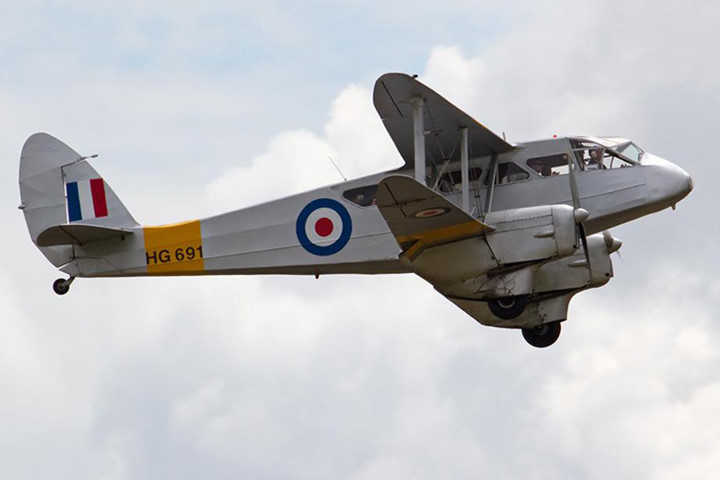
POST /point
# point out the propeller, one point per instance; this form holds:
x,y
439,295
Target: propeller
x,y
580,213
611,243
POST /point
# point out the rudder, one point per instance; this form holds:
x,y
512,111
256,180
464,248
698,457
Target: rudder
x,y
59,187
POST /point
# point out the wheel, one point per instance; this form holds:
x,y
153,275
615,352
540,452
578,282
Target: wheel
x,y
543,335
508,307
61,286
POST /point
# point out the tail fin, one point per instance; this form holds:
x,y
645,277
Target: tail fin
x,y
58,189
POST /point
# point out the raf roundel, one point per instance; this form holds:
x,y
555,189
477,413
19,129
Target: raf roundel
x,y
323,227
431,212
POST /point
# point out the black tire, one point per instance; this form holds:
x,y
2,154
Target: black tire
x,y
60,287
543,335
508,308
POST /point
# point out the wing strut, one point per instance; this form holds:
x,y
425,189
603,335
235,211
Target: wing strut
x,y
418,105
465,169
493,168
409,110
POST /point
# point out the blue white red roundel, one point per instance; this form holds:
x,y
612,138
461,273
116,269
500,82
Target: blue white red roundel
x,y
431,212
323,227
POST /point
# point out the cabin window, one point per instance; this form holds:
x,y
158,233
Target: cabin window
x,y
452,181
509,172
363,196
550,165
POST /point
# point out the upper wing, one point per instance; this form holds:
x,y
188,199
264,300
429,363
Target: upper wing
x,y
420,218
392,98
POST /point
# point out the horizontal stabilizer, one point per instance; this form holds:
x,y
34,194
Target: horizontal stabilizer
x,y
78,234
420,218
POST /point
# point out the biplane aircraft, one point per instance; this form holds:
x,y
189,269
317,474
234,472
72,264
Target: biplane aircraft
x,y
507,232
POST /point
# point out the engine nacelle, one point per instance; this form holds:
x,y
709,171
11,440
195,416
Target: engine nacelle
x,y
521,236
558,275
572,273
533,234
544,289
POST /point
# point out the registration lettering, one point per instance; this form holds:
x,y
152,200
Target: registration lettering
x,y
174,249
155,257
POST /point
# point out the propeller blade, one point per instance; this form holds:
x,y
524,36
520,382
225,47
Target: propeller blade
x,y
580,213
573,184
611,243
583,239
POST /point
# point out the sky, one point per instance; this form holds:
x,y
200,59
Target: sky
x,y
196,108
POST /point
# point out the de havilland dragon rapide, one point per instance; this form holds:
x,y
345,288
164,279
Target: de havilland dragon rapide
x,y
508,232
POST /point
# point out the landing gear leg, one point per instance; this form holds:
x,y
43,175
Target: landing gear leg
x,y
543,335
62,286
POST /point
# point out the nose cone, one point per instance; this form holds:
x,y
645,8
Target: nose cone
x,y
666,183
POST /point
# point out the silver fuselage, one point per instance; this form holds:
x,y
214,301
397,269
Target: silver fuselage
x,y
264,239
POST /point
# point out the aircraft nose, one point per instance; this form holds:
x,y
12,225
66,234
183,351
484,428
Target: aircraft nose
x,y
667,183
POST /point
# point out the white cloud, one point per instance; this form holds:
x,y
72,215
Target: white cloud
x,y
635,389
295,161
300,160
355,131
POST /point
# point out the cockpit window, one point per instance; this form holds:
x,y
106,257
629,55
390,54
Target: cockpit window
x,y
549,165
631,151
363,196
593,156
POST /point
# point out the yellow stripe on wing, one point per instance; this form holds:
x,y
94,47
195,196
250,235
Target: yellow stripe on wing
x,y
429,238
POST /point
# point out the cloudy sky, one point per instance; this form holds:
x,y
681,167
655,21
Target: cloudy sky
x,y
200,107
